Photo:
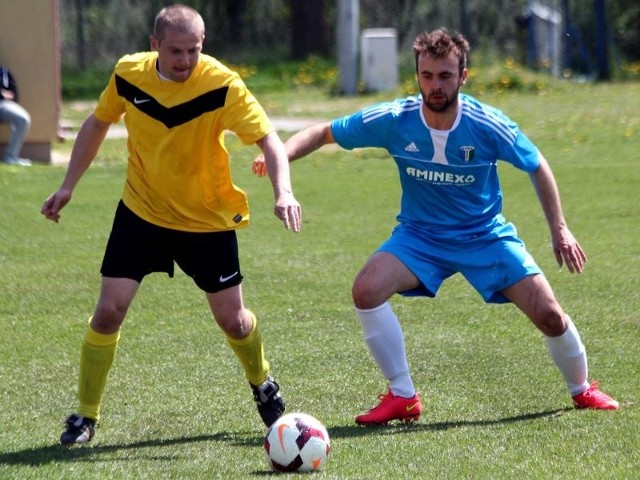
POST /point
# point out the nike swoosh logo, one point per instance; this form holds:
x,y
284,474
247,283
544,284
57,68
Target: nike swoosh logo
x,y
138,101
281,428
224,279
411,407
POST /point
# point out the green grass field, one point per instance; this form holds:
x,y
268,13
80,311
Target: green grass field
x,y
177,405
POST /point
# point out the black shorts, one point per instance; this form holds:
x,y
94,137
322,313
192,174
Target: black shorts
x,y
137,248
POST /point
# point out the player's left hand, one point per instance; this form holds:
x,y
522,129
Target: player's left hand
x,y
289,211
568,251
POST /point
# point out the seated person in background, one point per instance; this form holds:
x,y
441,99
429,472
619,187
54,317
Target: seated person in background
x,y
13,113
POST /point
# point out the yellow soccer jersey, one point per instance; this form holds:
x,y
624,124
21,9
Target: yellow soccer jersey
x,y
178,173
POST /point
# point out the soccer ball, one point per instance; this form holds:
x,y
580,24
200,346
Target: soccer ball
x,y
296,442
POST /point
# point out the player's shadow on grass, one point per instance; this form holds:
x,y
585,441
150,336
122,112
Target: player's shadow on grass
x,y
96,453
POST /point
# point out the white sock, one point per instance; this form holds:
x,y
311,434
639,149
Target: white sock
x,y
383,335
570,356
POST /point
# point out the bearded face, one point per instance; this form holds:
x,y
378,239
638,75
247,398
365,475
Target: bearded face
x,y
440,80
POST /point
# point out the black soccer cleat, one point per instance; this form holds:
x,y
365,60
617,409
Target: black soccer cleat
x,y
270,404
79,430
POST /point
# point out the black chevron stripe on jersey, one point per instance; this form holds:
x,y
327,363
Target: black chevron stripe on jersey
x,y
171,116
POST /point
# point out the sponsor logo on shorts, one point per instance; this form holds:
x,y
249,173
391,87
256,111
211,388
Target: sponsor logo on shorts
x,y
225,279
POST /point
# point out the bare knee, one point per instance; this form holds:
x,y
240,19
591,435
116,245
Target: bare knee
x,y
364,295
381,277
108,317
358,295
236,325
551,323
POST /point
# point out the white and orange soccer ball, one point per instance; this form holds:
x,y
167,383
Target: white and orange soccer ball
x,y
297,442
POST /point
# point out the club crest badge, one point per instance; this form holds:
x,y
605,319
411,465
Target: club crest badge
x,y
468,153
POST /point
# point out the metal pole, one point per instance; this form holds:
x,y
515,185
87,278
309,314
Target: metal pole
x,y
347,44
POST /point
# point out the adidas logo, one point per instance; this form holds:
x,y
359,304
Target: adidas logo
x,y
411,148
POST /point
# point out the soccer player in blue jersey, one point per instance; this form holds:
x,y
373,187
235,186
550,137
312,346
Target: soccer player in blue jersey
x,y
446,146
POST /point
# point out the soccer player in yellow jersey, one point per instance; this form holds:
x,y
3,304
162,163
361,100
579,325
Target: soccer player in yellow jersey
x,y
179,202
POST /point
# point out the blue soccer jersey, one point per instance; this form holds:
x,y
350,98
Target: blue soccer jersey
x,y
449,179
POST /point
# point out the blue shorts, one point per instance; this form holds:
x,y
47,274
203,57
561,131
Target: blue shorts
x,y
490,263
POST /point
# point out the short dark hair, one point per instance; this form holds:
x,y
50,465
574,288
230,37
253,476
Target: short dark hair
x,y
439,44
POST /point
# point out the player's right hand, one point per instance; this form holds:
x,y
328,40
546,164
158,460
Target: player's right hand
x,y
56,202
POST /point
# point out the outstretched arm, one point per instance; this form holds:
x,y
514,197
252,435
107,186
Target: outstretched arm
x,y
274,157
565,247
85,148
299,145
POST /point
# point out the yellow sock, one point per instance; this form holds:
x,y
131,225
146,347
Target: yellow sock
x,y
250,352
98,352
